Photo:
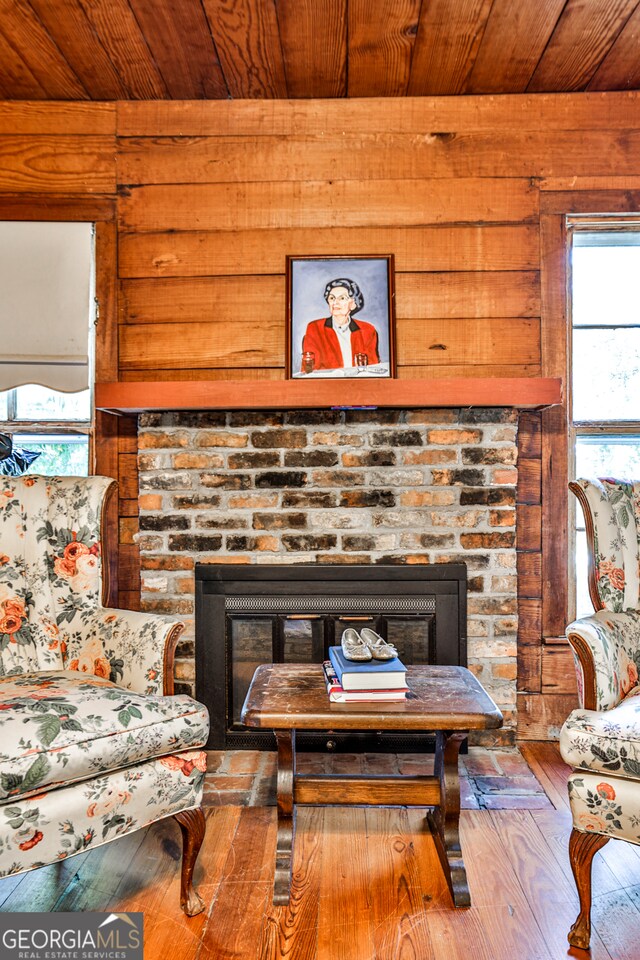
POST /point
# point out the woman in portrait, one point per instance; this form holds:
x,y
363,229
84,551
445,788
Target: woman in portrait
x,y
337,340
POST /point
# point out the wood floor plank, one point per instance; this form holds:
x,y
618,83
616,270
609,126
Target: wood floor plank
x,y
42,888
96,874
292,931
151,883
434,891
555,829
8,886
344,927
552,772
500,924
396,901
550,894
240,905
367,885
235,925
612,916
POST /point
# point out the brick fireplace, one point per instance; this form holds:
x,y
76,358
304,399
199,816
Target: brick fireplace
x,y
344,486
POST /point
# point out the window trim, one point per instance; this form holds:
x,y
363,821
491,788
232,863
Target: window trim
x,y
593,224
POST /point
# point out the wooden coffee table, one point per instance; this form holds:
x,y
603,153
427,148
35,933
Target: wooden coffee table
x,y
446,700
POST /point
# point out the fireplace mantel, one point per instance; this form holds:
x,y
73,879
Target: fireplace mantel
x,y
135,397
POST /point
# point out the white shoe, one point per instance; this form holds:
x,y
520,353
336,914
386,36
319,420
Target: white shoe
x,y
353,647
380,649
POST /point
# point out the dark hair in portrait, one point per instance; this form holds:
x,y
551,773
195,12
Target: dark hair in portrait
x,y
352,289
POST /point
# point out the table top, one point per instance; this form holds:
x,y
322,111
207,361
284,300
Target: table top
x,y
285,696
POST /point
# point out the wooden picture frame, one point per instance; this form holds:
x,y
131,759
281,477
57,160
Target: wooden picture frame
x,y
340,309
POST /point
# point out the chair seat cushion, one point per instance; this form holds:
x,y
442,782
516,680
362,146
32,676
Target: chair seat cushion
x,y
607,740
61,727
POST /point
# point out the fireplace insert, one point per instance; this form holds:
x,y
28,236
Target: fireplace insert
x,y
292,613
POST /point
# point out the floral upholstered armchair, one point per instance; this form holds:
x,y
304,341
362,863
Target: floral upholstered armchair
x,y
92,744
601,739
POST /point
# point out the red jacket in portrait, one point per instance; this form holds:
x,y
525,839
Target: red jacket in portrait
x,y
321,340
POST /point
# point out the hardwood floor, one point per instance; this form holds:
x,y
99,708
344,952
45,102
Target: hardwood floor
x,y
368,886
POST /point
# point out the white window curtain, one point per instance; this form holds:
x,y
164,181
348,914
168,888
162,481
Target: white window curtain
x,y
46,304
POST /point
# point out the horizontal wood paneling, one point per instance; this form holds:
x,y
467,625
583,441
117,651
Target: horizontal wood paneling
x,y
541,715
212,197
345,203
225,299
551,112
91,119
193,344
378,156
42,164
468,341
558,670
246,252
494,294
404,372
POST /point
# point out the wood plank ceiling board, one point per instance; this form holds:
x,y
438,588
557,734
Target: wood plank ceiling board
x,y
620,69
314,47
180,41
514,40
16,79
583,36
69,28
447,43
118,30
248,42
32,42
382,37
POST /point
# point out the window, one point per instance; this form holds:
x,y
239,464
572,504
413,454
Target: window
x,y
47,301
54,424
605,309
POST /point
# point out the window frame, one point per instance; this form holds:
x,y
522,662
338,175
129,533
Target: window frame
x,y
588,428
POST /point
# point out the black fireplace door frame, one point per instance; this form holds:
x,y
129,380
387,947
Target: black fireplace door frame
x,y
225,594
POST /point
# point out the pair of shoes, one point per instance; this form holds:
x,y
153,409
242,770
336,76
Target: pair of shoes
x,y
365,645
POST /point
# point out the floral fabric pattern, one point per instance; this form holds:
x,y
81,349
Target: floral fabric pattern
x,y
607,806
56,825
89,748
63,727
607,741
51,616
614,642
614,506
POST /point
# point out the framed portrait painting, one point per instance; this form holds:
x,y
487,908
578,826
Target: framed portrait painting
x,y
340,317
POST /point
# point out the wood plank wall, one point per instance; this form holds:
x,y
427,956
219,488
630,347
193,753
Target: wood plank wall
x,y
469,193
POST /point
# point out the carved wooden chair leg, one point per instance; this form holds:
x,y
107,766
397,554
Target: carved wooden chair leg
x,y
582,849
192,826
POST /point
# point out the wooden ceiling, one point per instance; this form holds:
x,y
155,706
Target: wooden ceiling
x,y
216,49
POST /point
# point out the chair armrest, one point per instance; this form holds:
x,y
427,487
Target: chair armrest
x,y
606,648
139,648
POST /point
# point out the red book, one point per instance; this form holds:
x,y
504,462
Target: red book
x,y
338,695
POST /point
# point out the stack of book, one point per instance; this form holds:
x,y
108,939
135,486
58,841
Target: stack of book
x,y
353,681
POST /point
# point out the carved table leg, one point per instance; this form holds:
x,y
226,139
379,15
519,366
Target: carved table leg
x,y
286,740
192,825
444,820
582,849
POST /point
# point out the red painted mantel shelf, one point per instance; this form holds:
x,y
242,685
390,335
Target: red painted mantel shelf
x,y
295,394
